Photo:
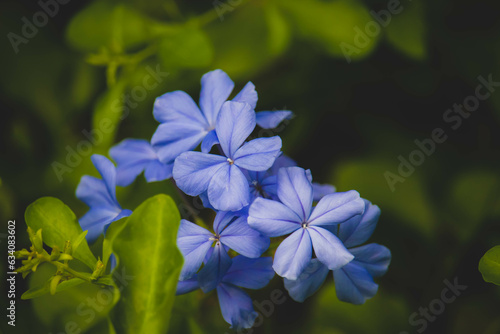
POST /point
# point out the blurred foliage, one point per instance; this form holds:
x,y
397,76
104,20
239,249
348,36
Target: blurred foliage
x,y
88,65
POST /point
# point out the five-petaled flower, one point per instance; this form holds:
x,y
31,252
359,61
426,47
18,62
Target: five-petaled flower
x,y
309,227
221,175
354,281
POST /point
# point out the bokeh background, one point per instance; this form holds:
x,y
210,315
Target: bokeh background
x,y
354,118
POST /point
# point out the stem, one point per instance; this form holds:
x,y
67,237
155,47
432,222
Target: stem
x,y
77,274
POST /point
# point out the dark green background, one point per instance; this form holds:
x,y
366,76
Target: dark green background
x,y
352,122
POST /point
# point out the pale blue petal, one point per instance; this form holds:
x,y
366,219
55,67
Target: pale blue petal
x,y
93,192
214,270
240,237
281,162
354,284
236,307
337,208
209,141
359,229
193,242
247,95
132,156
293,255
108,172
235,123
321,190
309,281
216,86
187,286
250,273
295,191
96,220
158,171
228,189
173,138
271,119
328,248
272,218
258,154
373,257
177,106
193,171
222,219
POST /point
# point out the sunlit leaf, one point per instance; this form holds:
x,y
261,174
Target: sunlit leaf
x,y
489,265
58,224
146,249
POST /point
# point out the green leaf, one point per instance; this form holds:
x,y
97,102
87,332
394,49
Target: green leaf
x,y
407,31
103,24
146,248
45,289
279,30
338,26
489,265
58,224
111,233
188,48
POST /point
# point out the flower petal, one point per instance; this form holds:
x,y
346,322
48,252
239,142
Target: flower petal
x,y
228,189
214,270
240,237
309,281
193,242
236,306
216,86
158,171
293,255
193,171
354,284
328,248
258,154
96,220
373,257
222,219
271,119
359,229
209,141
247,95
250,273
108,173
175,106
131,156
272,218
295,191
321,190
281,162
337,208
187,286
93,192
235,123
176,137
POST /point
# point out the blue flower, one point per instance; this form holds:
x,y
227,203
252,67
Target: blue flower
x,y
231,232
134,156
100,196
309,227
235,304
226,185
353,282
184,126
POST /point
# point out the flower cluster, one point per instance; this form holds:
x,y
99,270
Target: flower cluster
x,y
256,192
